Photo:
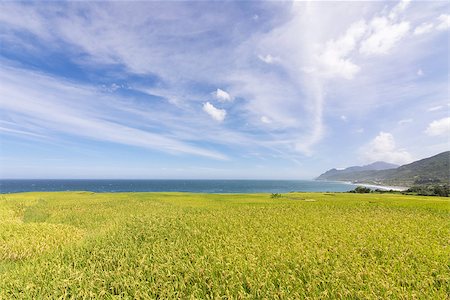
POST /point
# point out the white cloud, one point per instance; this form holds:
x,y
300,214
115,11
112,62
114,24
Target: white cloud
x,y
222,96
384,36
398,9
24,18
112,88
269,96
385,32
323,39
171,95
435,108
215,113
419,72
423,28
310,59
46,105
383,148
444,22
334,60
21,132
344,118
439,127
266,120
269,59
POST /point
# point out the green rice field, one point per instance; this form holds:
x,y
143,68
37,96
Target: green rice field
x,y
86,245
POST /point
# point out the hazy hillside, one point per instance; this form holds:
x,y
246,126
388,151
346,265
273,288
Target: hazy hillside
x,y
348,172
435,169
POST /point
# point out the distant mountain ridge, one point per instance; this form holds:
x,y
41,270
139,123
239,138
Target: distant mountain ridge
x,y
435,169
376,166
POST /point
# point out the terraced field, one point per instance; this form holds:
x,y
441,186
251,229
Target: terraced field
x,y
179,245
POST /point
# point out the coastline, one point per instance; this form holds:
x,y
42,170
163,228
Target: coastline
x,y
380,187
212,186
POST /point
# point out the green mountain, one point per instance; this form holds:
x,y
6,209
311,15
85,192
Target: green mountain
x,y
431,170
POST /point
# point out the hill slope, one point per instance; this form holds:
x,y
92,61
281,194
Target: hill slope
x,y
435,169
348,172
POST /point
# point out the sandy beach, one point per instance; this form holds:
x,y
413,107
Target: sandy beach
x,y
382,187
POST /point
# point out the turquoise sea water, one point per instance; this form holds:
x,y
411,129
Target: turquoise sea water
x,y
195,186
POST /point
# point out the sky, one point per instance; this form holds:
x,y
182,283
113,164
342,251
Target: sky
x,y
220,90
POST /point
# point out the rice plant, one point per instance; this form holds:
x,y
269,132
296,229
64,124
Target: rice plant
x,y
204,246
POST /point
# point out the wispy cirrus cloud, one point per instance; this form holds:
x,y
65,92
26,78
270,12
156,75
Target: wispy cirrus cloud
x,y
268,59
385,35
284,77
443,22
423,28
69,109
435,108
334,60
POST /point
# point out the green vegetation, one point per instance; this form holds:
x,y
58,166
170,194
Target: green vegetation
x,y
441,190
434,170
420,190
361,190
177,245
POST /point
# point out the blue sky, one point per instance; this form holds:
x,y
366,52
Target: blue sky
x,y
211,90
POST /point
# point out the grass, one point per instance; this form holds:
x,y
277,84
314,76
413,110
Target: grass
x,y
178,245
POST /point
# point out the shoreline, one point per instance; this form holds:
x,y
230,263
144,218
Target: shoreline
x,y
381,187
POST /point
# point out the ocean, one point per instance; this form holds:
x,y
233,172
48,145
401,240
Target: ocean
x,y
194,186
